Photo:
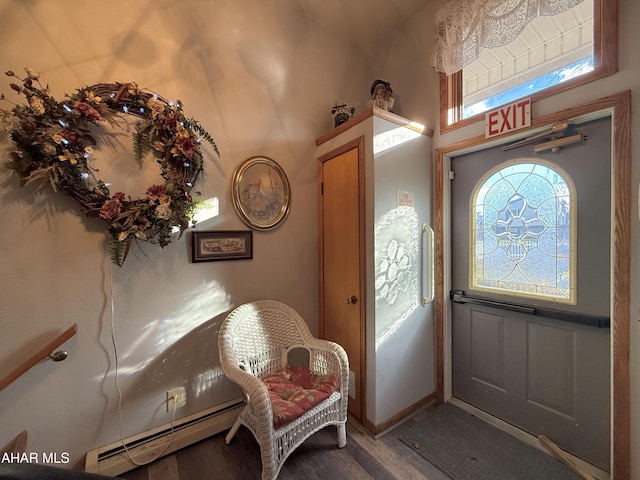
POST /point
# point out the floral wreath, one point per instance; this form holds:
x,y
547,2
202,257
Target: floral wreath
x,y
53,141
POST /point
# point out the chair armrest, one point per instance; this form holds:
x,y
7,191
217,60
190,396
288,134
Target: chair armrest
x,y
255,391
328,357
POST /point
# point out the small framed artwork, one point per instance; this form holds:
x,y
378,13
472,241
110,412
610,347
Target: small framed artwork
x,y
261,193
210,246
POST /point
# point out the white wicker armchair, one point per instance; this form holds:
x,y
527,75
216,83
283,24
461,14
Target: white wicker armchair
x,y
254,341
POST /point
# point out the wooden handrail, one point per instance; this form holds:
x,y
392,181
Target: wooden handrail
x,y
17,445
38,356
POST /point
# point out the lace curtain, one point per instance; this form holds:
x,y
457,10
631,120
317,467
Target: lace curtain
x,y
467,26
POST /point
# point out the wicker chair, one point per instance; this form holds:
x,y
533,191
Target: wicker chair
x,y
254,341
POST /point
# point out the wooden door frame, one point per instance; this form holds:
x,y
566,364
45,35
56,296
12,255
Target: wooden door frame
x,y
618,107
359,144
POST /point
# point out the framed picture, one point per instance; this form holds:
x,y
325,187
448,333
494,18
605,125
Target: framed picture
x,y
261,193
221,245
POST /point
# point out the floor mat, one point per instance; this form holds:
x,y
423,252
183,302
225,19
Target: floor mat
x,y
465,447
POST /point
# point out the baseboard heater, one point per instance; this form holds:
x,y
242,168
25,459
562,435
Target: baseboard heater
x,y
114,459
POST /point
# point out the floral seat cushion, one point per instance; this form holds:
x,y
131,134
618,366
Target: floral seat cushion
x,y
295,390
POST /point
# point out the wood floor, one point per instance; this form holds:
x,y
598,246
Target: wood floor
x,y
318,458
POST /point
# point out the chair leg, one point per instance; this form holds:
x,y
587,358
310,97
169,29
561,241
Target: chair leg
x,y
342,435
232,432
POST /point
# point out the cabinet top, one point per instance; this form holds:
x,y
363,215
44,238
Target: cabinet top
x,y
378,112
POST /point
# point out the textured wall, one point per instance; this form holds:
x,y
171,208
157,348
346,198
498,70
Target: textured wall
x,y
261,77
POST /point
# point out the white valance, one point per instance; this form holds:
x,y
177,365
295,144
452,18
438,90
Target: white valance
x,y
466,26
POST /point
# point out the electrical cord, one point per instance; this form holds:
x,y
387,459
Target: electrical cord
x,y
115,352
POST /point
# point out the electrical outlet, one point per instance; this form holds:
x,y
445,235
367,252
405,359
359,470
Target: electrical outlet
x,y
352,384
176,398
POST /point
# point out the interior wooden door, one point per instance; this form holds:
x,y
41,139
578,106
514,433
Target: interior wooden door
x,y
340,283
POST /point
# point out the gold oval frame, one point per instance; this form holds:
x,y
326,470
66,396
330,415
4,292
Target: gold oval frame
x,y
261,193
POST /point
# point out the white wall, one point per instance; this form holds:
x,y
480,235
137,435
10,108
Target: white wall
x,y
261,77
405,65
400,334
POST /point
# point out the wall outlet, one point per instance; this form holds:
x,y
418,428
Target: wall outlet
x,y
352,384
176,398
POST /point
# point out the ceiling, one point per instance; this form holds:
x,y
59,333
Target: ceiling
x,y
546,41
369,26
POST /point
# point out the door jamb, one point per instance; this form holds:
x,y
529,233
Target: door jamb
x,y
618,106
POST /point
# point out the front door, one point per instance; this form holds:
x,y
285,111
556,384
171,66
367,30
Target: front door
x,y
530,298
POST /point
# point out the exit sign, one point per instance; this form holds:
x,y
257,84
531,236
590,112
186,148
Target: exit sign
x,y
508,118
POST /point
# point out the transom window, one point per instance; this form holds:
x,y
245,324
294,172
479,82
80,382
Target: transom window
x,y
550,50
463,98
522,231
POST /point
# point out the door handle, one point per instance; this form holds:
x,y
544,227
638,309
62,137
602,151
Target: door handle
x,y
352,300
427,258
459,296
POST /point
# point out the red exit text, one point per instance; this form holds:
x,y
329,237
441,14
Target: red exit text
x,y
508,118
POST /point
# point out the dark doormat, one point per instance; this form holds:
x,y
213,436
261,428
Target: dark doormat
x,y
465,447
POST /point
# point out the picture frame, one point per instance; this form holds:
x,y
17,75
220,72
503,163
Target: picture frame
x,y
209,246
261,193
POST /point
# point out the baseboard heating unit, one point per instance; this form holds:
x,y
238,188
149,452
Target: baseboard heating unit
x,y
114,459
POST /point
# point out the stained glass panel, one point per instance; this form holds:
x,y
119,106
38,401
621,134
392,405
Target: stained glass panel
x,y
522,231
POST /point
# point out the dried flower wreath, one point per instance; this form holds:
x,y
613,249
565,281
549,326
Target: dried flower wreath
x,y
53,141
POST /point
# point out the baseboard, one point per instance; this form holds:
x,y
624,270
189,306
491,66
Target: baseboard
x,y
114,459
380,429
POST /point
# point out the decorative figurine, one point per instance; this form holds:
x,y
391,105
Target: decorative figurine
x,y
381,95
341,112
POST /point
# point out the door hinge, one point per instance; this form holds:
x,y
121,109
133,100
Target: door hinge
x,y
452,175
321,188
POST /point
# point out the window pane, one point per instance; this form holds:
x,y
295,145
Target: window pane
x,y
522,232
522,91
550,50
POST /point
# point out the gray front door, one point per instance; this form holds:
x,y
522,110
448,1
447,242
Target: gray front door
x,y
530,299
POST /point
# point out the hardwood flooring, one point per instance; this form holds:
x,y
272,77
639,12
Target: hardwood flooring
x,y
318,458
